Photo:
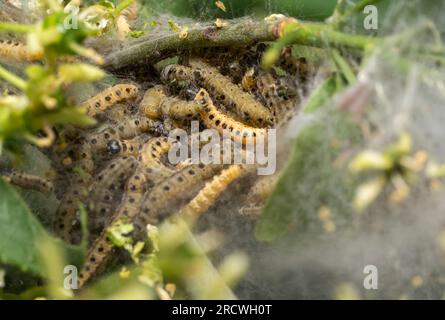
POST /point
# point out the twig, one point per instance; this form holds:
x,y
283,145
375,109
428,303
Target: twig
x,y
148,51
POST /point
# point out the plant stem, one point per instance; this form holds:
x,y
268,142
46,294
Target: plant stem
x,y
148,50
12,79
16,27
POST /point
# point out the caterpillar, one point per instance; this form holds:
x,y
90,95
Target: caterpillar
x,y
104,191
177,74
13,50
178,109
132,127
152,152
128,128
122,21
221,87
169,195
230,95
101,249
278,94
257,196
109,97
29,181
207,196
66,214
151,101
215,119
99,140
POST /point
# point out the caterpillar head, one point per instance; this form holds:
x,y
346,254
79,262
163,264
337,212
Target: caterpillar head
x,y
202,98
113,147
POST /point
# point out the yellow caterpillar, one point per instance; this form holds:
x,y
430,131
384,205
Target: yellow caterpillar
x,y
104,191
122,21
99,140
169,195
230,95
178,109
66,214
128,128
134,126
109,97
13,50
215,119
149,105
29,181
224,90
101,249
154,149
207,196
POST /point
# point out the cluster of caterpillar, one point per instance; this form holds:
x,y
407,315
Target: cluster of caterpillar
x,y
222,88
109,97
164,197
207,196
215,119
13,50
29,181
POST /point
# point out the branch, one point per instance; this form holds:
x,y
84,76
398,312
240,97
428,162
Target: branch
x,y
148,51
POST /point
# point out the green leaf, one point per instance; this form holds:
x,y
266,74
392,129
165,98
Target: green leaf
x,y
21,235
311,179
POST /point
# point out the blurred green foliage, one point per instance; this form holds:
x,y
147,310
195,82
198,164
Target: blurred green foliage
x,y
206,9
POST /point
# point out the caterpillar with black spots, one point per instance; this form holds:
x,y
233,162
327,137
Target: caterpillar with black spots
x,y
215,119
66,215
230,94
151,158
29,181
13,50
104,193
109,97
128,128
212,190
173,192
222,88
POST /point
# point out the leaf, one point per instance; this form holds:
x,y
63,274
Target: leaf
x,y
21,235
311,179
